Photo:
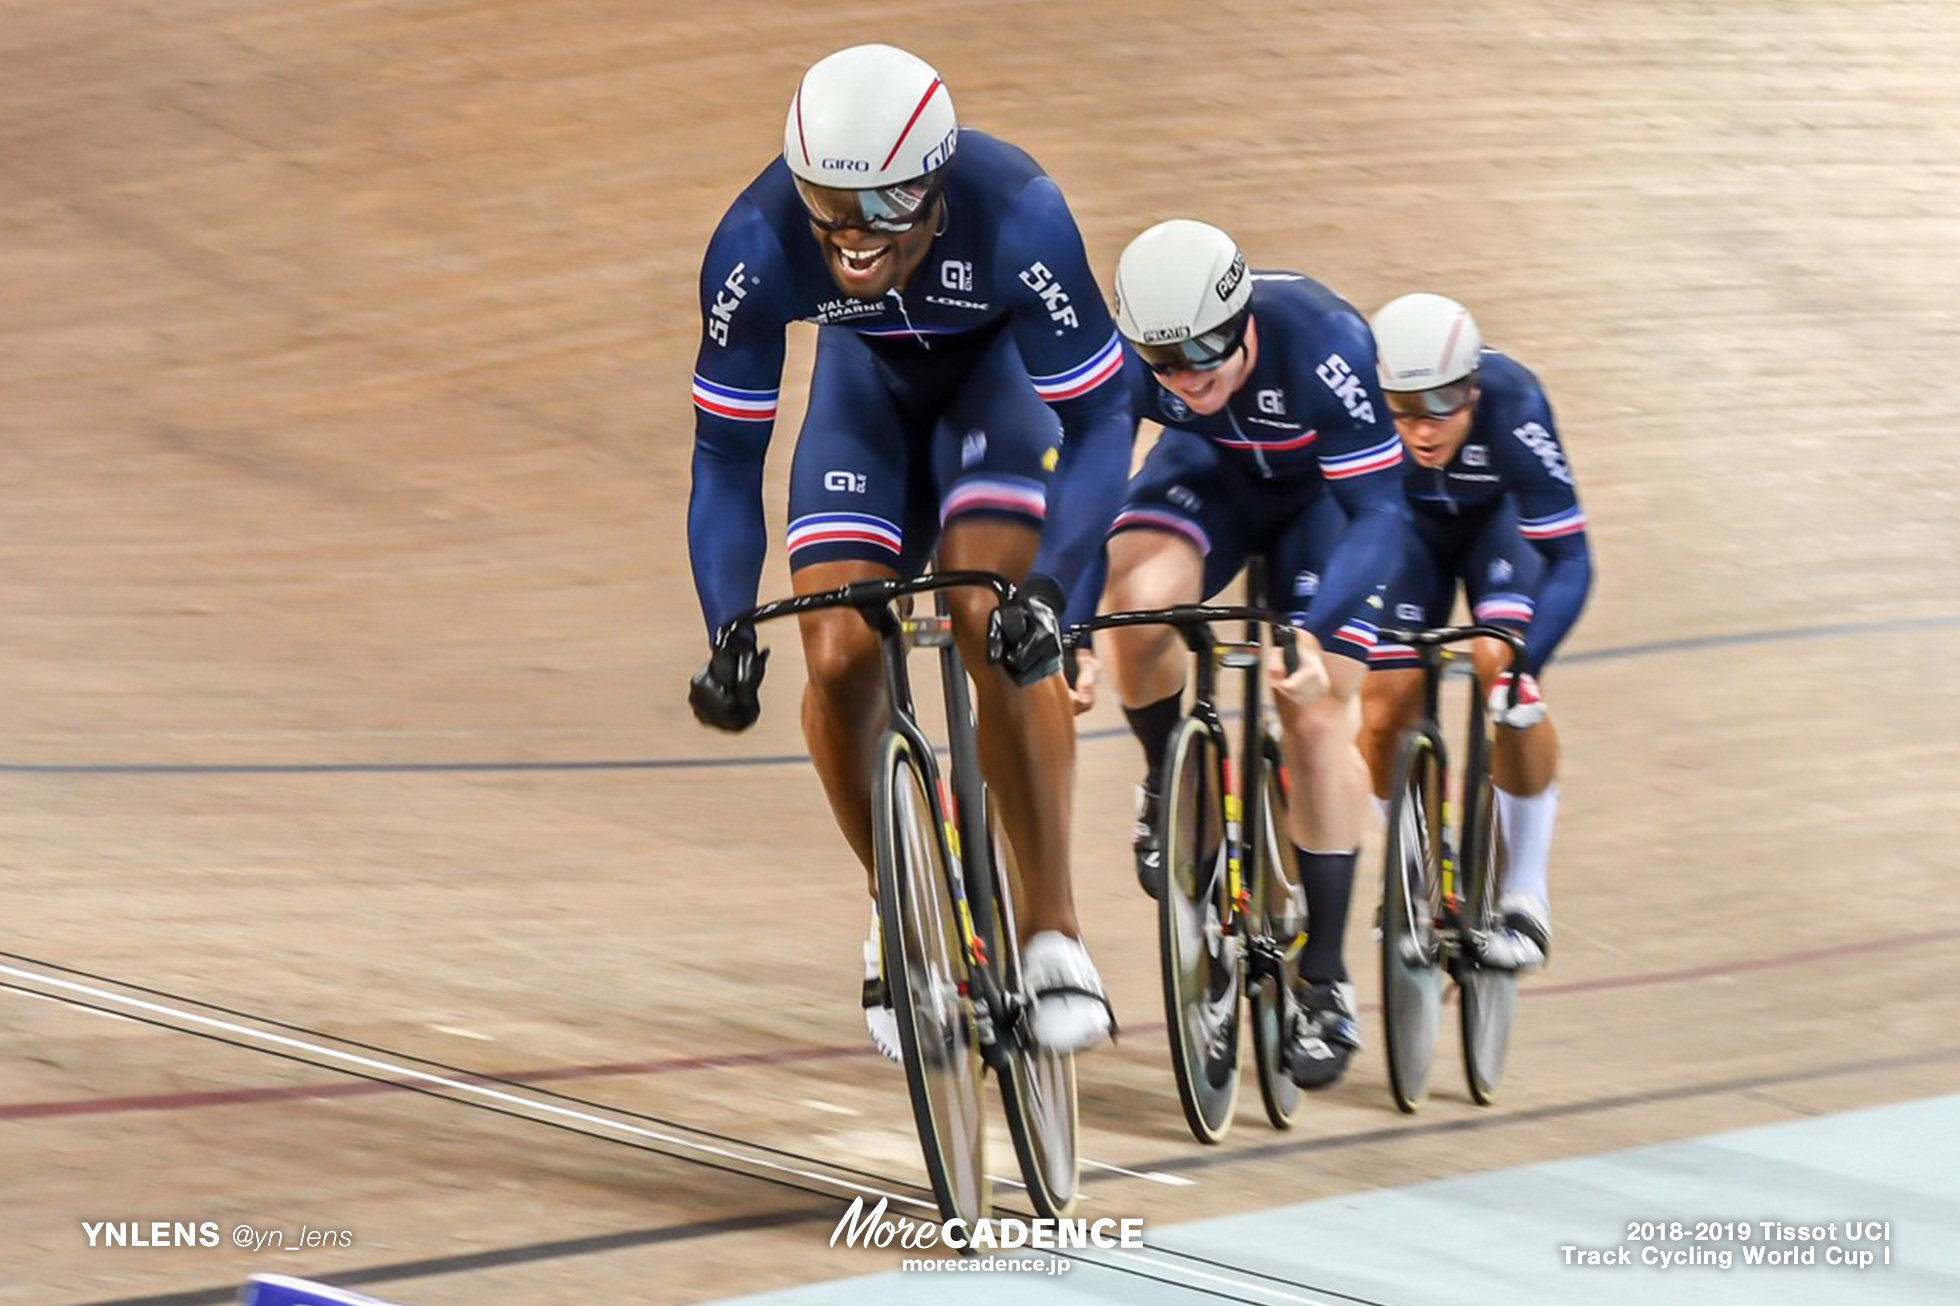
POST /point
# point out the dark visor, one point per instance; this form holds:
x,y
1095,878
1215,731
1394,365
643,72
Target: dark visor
x,y
879,208
1199,353
1440,401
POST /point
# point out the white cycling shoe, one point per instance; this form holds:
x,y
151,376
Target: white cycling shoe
x,y
1071,1013
1524,941
879,1017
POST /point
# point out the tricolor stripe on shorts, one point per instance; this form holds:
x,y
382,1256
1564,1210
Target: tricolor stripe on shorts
x,y
1013,494
1383,456
1569,522
1391,653
1156,519
1107,362
843,528
733,402
1357,631
1503,607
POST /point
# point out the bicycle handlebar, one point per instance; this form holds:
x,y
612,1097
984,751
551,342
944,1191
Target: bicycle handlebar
x,y
1194,617
866,594
1444,635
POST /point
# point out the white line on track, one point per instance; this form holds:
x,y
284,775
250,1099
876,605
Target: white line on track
x,y
497,1095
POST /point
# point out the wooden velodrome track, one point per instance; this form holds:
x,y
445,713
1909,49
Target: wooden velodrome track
x,y
343,406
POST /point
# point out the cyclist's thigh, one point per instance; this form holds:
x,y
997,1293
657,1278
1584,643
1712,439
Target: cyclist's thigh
x,y
1421,595
852,478
1186,489
1500,572
1297,560
995,446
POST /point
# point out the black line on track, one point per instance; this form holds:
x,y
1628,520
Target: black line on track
x,y
1500,1118
1651,648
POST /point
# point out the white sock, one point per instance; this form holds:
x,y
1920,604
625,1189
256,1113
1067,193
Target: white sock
x,y
1527,827
1381,808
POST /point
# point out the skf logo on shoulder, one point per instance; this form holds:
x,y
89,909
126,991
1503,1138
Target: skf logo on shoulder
x,y
1347,387
1230,281
729,298
1053,298
1272,402
1537,439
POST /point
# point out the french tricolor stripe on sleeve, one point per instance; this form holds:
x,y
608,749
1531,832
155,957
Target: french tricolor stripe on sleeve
x,y
1107,362
1383,456
1569,522
736,404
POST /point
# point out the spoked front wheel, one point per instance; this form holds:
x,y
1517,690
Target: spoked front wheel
x,y
1279,925
1037,1094
1489,996
1200,958
925,959
1412,978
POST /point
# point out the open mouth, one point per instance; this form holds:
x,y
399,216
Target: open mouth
x,y
862,262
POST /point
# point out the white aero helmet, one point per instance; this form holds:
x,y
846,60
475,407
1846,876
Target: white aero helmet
x,y
1427,348
868,136
1183,297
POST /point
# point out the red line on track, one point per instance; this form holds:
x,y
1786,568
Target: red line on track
x,y
792,1056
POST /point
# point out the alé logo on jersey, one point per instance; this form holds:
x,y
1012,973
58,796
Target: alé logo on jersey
x,y
1350,389
1537,439
1053,298
721,315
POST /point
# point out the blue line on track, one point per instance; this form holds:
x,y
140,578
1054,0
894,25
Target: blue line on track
x,y
1652,648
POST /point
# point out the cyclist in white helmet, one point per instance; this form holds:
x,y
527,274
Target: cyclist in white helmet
x,y
1495,511
964,407
1276,442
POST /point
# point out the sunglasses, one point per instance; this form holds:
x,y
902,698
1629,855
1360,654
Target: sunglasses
x,y
1437,403
892,210
1206,352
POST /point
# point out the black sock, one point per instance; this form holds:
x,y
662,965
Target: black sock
x,y
1152,724
1327,879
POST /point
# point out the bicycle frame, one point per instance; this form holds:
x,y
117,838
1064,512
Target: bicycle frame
x,y
964,836
1432,651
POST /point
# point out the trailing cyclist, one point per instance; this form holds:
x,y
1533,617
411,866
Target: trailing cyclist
x,y
1494,509
1276,441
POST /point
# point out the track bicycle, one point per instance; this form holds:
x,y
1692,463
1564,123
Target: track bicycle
x,y
1440,885
950,950
1231,915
